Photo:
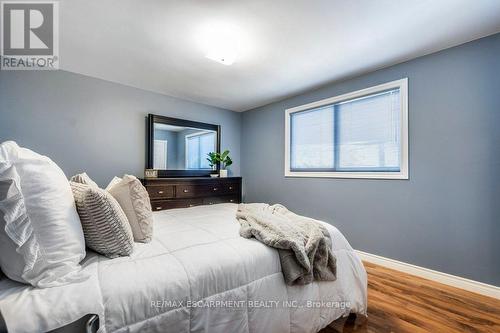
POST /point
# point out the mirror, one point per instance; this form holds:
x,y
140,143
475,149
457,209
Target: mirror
x,y
178,147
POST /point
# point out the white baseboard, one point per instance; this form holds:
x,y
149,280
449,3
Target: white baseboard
x,y
448,279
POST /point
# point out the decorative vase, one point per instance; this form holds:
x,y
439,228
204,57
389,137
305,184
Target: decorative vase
x,y
223,173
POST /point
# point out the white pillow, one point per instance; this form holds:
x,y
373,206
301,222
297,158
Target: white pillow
x,y
41,238
134,200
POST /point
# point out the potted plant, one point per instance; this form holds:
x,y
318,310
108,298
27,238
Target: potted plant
x,y
225,161
213,159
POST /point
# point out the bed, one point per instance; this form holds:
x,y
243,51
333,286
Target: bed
x,y
197,275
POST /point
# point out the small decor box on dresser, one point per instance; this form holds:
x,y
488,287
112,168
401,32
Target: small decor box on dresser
x,y
168,193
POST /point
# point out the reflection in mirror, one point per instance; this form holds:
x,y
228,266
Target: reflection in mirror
x,y
182,148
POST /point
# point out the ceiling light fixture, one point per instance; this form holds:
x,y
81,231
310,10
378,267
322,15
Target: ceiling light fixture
x,y
221,44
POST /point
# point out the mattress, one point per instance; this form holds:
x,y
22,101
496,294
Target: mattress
x,y
197,275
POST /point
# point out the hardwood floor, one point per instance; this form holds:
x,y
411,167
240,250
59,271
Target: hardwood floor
x,y
401,303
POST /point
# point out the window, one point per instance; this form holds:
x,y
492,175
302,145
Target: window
x,y
363,134
198,145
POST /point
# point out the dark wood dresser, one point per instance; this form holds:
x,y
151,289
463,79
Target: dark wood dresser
x,y
168,193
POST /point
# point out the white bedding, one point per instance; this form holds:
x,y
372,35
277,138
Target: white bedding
x,y
196,255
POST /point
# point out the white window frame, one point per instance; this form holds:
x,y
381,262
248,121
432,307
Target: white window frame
x,y
403,172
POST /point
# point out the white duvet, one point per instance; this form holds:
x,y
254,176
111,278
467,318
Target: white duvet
x,y
197,275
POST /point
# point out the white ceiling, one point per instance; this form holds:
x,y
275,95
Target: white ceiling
x,y
286,47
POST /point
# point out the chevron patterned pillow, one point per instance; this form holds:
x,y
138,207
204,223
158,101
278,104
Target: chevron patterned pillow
x,y
105,226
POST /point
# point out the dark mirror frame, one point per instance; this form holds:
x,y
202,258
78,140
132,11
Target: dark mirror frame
x,y
152,119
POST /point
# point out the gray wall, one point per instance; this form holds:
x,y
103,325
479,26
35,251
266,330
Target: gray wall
x,y
87,124
447,216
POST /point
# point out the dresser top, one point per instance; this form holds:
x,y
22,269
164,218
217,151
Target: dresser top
x,y
191,180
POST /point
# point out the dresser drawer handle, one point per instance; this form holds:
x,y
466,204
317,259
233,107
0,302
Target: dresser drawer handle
x,y
230,187
185,191
158,208
231,200
160,192
215,188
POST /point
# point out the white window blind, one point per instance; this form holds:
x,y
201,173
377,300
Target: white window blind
x,y
312,139
197,148
369,133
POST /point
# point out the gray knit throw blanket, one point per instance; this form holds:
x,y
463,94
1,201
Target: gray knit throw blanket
x,y
303,244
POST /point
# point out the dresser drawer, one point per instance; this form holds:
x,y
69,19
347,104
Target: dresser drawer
x,y
219,189
169,204
231,188
169,193
221,199
160,191
192,191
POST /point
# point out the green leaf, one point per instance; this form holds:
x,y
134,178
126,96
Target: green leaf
x,y
212,158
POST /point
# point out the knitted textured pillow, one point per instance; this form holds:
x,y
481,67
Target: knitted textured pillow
x,y
134,200
104,223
